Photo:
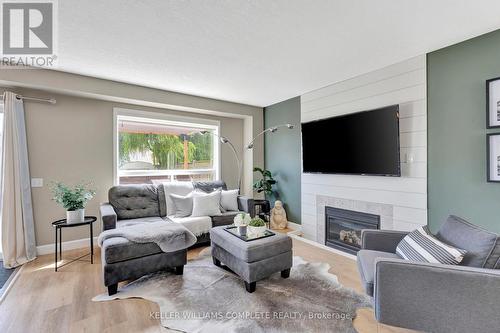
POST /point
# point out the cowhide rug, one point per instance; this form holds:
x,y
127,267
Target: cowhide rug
x,y
211,299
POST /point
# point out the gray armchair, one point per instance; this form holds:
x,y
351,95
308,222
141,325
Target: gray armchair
x,y
434,297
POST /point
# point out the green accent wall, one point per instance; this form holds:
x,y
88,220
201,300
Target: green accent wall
x,y
457,131
282,154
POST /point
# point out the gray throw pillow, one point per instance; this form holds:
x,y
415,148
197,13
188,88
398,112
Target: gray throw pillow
x,y
483,247
183,205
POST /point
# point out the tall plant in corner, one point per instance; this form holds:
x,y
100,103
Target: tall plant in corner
x,y
265,184
73,199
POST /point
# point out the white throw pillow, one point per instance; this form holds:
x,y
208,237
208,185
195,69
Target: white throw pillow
x,y
183,204
229,200
210,190
206,204
179,188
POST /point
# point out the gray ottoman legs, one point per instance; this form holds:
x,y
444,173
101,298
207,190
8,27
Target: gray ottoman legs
x,y
251,272
251,286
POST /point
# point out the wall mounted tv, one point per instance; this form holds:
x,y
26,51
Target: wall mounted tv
x,y
363,143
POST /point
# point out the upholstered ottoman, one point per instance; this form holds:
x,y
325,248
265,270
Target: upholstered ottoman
x,y
252,260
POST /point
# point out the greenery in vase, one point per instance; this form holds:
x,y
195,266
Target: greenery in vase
x,y
265,184
72,198
257,222
242,219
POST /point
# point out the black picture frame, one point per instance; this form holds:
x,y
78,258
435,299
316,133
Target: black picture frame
x,y
488,102
488,158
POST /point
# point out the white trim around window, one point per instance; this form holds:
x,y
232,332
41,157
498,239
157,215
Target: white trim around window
x,y
167,119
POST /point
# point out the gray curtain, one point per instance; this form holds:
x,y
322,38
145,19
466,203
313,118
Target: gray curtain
x,y
18,233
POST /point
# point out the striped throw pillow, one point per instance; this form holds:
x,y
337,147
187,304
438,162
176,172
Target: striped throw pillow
x,y
421,245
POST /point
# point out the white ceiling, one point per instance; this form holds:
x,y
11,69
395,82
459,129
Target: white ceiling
x,y
257,52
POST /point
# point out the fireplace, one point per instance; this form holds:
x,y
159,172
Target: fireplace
x,y
343,228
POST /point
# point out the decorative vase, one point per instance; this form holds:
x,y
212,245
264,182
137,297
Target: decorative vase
x,y
75,216
241,219
256,231
242,230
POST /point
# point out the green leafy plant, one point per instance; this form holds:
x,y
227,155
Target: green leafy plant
x,y
72,198
265,184
257,222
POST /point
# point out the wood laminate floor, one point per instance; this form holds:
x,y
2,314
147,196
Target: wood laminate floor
x,y
42,300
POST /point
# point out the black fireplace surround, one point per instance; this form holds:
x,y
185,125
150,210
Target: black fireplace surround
x,y
343,228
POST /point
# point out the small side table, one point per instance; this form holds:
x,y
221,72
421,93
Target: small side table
x,y
261,206
60,224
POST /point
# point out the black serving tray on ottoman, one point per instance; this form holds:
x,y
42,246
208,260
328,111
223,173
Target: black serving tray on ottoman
x,y
248,238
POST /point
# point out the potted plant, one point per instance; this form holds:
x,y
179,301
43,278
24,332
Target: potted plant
x,y
73,199
257,227
265,184
241,221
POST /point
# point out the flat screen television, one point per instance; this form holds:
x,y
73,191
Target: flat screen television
x,y
363,143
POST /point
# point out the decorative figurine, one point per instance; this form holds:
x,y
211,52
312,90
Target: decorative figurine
x,y
278,216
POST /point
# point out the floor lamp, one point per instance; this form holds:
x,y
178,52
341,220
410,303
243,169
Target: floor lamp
x,y
272,129
225,140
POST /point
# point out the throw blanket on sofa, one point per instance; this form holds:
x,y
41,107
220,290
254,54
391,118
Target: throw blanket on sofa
x,y
198,225
170,237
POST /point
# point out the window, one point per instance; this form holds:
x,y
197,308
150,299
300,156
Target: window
x,y
154,148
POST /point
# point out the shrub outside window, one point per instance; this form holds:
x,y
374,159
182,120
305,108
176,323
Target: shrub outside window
x,y
155,150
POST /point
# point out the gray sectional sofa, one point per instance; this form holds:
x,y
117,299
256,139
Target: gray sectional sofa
x,y
132,204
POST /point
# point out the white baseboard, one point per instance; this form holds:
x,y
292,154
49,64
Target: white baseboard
x,y
299,237
294,226
68,245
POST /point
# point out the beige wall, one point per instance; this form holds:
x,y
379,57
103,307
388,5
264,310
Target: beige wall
x,y
71,142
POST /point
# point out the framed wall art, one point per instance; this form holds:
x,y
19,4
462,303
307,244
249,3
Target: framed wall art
x,y
493,144
493,103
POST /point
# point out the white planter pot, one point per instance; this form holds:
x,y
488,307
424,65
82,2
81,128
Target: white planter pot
x,y
75,216
256,231
242,230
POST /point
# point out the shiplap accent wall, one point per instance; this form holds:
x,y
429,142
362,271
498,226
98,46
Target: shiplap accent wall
x,y
404,84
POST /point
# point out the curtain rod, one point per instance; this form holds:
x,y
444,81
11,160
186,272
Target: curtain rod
x,y
45,100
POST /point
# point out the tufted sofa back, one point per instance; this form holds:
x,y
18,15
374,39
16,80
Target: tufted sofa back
x,y
134,201
210,186
145,200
